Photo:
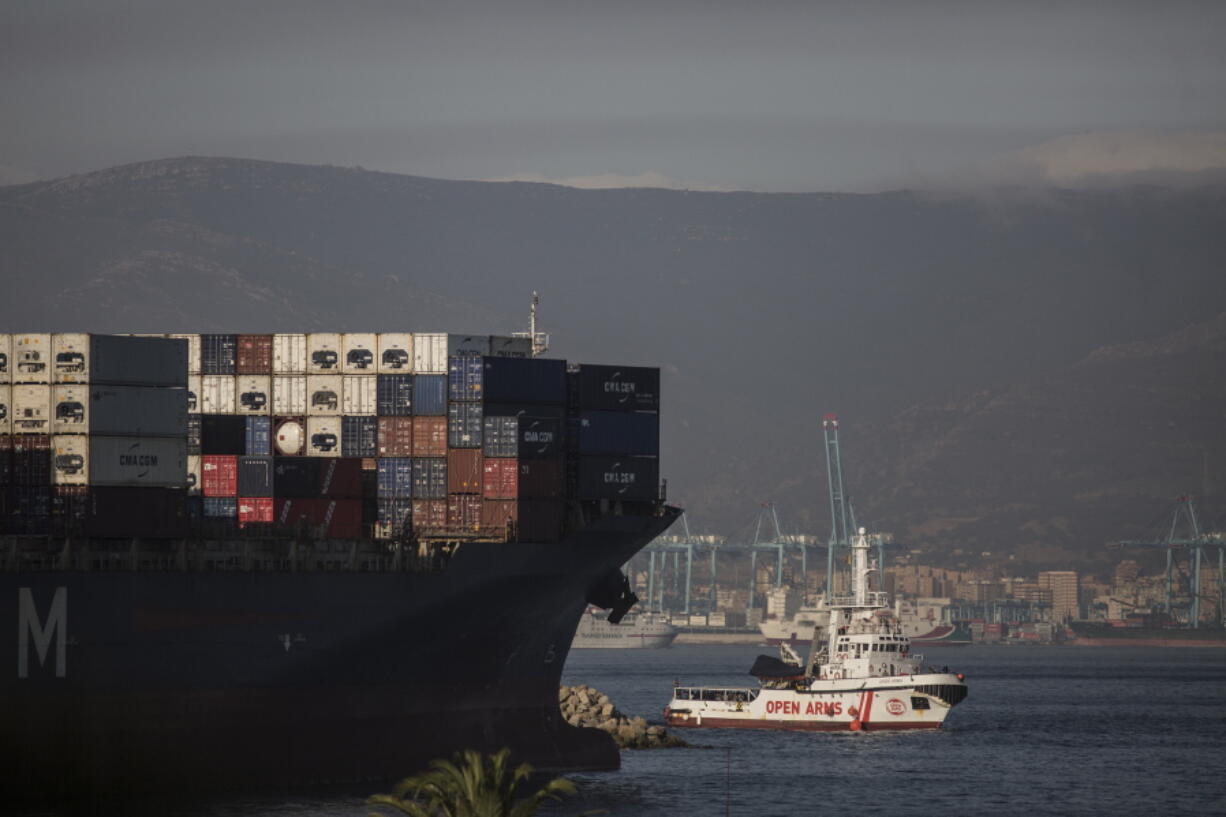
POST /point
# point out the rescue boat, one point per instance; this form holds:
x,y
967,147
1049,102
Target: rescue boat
x,y
861,675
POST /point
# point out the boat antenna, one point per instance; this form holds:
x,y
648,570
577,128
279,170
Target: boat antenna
x,y
540,340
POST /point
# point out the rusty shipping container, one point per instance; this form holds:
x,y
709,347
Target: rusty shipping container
x,y
254,354
429,436
395,436
465,474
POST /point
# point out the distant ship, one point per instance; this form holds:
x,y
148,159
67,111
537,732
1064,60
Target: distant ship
x,y
1143,631
922,632
642,630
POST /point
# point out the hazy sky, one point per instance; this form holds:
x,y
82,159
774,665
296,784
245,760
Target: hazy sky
x,y
758,95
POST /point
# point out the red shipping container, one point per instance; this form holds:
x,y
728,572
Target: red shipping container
x,y
254,510
333,518
541,479
429,436
254,354
501,479
464,513
395,436
219,475
464,471
429,516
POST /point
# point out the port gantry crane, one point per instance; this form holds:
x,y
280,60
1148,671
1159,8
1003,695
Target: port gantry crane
x,y
1195,544
842,515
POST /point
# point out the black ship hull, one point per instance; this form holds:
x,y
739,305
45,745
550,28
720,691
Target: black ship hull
x,y
158,680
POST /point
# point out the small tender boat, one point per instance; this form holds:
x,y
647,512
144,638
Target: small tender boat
x,y
861,675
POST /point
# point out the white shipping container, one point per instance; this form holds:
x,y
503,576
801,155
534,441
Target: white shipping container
x,y
360,394
149,461
717,620
323,436
289,395
396,353
193,352
217,394
468,345
70,409
323,353
31,358
195,393
506,346
70,353
6,409
70,459
429,353
133,411
289,354
698,621
31,409
6,357
254,394
193,475
360,349
324,394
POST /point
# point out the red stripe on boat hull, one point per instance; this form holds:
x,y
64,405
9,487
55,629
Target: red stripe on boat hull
x,y
792,726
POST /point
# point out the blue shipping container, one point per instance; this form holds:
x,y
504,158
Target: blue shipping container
x,y
464,425
464,376
218,354
429,477
618,432
528,438
617,388
395,515
221,506
394,395
430,395
395,477
625,478
359,436
259,438
515,380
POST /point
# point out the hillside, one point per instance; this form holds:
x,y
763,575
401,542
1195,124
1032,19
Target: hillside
x,y
994,358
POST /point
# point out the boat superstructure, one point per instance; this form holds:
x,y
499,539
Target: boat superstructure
x,y
635,630
861,675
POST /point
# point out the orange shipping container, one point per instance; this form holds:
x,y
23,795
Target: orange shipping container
x,y
396,436
465,474
429,437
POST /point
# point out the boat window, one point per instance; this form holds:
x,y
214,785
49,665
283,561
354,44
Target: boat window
x,y
919,703
683,695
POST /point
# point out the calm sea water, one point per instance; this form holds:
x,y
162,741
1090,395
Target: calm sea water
x,y
1045,731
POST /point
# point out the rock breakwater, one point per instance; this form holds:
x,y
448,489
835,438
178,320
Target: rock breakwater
x,y
584,706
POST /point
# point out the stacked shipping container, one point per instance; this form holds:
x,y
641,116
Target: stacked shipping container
x,y
90,424
338,435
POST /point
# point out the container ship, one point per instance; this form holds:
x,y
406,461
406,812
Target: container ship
x,y
267,560
1143,631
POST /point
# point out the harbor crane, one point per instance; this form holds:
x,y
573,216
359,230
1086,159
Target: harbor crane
x,y
842,516
1194,542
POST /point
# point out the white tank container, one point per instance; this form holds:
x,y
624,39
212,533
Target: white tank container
x,y
324,353
361,352
395,353
289,354
254,394
149,461
6,357
193,352
507,346
70,459
70,410
193,475
360,394
31,409
324,394
217,394
289,395
195,393
289,438
70,357
429,353
323,436
31,358
6,409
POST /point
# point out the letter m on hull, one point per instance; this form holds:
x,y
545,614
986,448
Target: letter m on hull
x,y
30,624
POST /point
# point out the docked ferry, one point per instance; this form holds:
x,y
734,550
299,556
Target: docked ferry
x,y
861,675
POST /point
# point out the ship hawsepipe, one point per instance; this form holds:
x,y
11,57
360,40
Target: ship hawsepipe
x,y
130,679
